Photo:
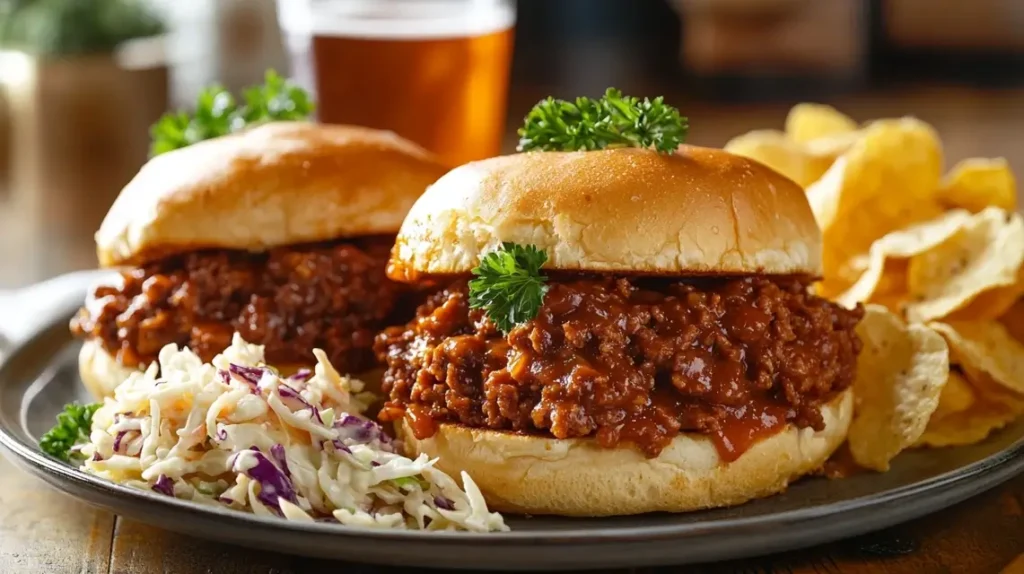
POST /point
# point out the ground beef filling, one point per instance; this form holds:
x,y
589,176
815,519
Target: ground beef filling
x,y
292,299
624,359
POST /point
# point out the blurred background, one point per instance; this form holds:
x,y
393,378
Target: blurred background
x,y
81,81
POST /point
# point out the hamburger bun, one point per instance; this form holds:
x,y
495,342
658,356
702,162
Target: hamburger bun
x,y
101,372
276,184
576,477
697,211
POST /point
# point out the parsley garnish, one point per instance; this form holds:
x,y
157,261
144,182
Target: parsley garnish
x,y
612,121
73,427
218,113
509,286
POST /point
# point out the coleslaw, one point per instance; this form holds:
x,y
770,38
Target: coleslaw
x,y
235,433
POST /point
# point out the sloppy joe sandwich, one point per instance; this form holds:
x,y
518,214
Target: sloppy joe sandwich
x,y
618,332
280,233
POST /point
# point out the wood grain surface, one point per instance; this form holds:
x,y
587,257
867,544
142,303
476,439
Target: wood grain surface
x,y
43,531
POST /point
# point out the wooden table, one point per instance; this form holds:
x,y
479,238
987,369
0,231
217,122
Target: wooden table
x,y
45,532
42,531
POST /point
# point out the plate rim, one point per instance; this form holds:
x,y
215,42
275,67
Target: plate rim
x,y
989,471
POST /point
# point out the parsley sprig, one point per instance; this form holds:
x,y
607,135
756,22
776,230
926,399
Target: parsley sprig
x,y
73,427
509,286
218,113
611,121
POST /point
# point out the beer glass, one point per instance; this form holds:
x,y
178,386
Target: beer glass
x,y
433,71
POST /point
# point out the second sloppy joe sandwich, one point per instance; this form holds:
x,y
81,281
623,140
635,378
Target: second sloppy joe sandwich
x,y
618,331
280,233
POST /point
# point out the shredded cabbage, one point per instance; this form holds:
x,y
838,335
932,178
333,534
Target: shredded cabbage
x,y
234,433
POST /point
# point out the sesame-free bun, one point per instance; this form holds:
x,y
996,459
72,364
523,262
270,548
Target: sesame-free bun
x,y
576,477
101,372
696,211
276,184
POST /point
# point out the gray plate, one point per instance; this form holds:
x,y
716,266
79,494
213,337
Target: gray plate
x,y
40,376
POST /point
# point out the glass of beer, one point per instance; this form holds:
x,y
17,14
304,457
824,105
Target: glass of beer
x,y
433,71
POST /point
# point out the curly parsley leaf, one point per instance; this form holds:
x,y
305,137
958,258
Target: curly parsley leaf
x,y
509,286
73,427
611,121
217,113
276,100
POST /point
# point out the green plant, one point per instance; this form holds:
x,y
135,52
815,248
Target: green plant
x,y
611,121
217,113
73,426
509,286
65,27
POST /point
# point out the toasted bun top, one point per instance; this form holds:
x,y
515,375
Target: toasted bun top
x,y
623,210
276,184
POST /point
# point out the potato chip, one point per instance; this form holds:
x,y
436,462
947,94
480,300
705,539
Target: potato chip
x,y
886,274
970,409
1013,320
831,147
973,273
780,153
894,302
977,183
987,348
900,374
957,396
848,274
807,122
992,302
966,427
885,182
992,392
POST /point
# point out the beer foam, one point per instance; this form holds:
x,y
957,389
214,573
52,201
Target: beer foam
x,y
404,20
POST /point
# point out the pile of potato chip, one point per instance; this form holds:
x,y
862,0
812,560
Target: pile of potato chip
x,y
938,261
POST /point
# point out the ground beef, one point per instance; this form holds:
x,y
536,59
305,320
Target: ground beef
x,y
623,359
291,299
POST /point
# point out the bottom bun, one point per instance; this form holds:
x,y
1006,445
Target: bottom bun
x,y
576,477
101,373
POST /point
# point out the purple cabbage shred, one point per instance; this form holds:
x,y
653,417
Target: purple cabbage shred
x,y
250,375
277,451
290,395
443,503
340,446
164,485
274,484
301,375
362,430
117,440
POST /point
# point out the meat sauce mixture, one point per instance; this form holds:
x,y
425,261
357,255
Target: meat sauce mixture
x,y
292,299
627,359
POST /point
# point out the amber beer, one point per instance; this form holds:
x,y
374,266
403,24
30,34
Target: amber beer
x,y
434,72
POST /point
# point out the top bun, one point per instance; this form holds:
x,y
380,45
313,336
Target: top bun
x,y
276,184
697,211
